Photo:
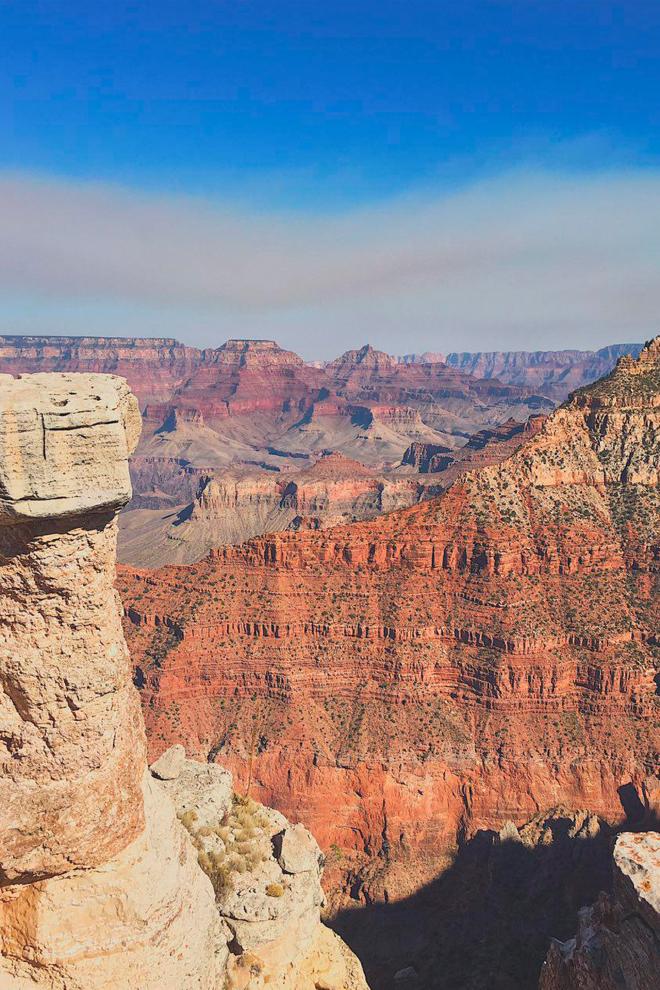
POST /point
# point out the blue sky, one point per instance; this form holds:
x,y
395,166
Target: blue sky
x,y
326,112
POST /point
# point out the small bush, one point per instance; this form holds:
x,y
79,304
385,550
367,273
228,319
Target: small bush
x,y
188,819
274,890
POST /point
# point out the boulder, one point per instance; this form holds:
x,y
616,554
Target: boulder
x,y
170,764
296,850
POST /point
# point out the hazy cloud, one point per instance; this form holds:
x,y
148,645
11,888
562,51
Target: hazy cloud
x,y
527,260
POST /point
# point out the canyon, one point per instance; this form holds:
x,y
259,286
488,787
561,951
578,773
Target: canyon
x,y
112,876
441,691
405,684
233,436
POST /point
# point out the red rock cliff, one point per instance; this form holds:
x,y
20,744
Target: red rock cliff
x,y
442,668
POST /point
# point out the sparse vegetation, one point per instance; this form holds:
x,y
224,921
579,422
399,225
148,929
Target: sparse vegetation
x,y
233,846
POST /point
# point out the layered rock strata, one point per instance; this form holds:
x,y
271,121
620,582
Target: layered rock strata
x,y
230,507
250,410
552,373
152,366
100,884
618,940
440,669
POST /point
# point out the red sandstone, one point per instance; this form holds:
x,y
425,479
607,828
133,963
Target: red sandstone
x,y
400,683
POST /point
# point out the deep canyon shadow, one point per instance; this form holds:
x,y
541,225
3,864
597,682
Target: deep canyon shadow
x,y
486,923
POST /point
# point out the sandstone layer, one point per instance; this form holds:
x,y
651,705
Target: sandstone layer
x,y
402,683
618,940
100,884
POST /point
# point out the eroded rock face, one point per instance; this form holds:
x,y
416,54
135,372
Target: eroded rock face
x,y
71,738
143,919
94,868
266,875
618,940
100,884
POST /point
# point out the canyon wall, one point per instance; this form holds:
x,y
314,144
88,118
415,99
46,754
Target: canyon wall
x,y
106,877
152,366
229,507
403,683
248,415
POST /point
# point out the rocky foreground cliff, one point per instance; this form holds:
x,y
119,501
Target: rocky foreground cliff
x,y
617,944
111,876
403,683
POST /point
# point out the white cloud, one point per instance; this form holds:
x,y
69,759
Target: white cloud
x,y
527,260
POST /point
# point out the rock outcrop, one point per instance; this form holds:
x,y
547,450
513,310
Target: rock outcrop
x,y
441,669
266,876
72,743
231,507
618,940
100,884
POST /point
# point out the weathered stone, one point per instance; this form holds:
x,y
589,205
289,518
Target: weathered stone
x,y
637,876
203,790
64,445
144,919
99,886
296,850
72,741
169,765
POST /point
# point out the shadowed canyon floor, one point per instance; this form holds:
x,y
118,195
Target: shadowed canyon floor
x,y
487,921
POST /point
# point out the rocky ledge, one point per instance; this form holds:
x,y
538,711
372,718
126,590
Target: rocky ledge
x,y
266,876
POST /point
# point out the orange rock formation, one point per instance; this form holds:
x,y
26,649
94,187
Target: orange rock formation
x,y
400,683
